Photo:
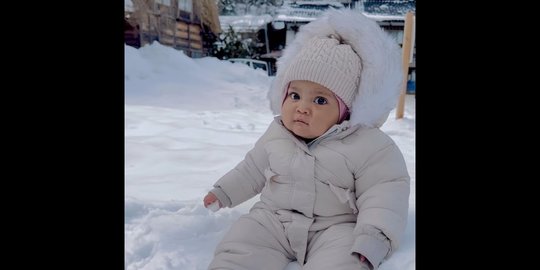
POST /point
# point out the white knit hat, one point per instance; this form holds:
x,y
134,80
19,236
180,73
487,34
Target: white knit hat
x,y
328,62
381,73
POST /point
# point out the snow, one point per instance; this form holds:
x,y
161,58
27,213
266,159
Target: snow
x,y
301,16
295,18
320,3
246,23
382,17
188,122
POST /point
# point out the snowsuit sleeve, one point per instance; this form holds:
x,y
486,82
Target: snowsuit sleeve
x,y
245,180
382,198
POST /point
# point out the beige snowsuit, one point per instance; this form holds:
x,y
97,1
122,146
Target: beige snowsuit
x,y
345,193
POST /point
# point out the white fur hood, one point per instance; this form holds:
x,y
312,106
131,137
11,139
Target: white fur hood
x,y
381,77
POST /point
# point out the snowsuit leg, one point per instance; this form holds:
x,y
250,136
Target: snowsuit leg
x,y
331,249
255,241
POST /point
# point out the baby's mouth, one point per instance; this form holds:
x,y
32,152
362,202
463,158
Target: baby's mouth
x,y
301,121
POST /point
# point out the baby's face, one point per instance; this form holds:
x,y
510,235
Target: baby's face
x,y
309,109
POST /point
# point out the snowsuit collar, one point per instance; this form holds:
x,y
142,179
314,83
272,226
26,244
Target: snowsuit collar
x,y
336,132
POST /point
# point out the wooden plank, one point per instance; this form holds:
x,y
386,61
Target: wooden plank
x,y
182,26
195,37
191,32
182,34
186,35
168,32
406,57
182,42
195,45
193,28
163,35
166,40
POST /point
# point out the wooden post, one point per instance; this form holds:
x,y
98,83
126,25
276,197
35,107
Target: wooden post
x,y
266,38
406,51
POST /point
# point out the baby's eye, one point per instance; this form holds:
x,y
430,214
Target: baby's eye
x,y
294,96
320,100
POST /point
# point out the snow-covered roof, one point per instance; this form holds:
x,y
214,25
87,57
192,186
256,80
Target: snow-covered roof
x,y
292,18
297,12
389,7
320,3
382,17
245,23
375,17
304,11
378,10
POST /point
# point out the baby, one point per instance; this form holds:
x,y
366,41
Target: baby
x,y
334,188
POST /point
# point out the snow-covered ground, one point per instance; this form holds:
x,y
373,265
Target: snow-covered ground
x,y
187,122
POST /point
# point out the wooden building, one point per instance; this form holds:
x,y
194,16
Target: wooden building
x,y
188,25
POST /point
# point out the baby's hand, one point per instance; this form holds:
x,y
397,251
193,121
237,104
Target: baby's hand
x,y
211,202
363,259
